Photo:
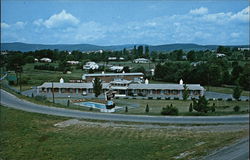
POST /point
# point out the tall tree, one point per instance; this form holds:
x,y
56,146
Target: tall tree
x,y
244,80
147,52
97,87
191,56
201,105
140,51
185,93
237,92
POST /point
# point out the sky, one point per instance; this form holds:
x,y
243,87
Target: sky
x,y
103,22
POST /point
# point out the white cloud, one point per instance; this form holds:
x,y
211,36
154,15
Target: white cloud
x,y
200,11
20,24
235,35
4,25
38,22
243,15
61,19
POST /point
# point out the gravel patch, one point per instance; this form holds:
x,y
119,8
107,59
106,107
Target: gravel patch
x,y
203,128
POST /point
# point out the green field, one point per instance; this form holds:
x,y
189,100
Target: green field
x,y
222,107
225,90
32,136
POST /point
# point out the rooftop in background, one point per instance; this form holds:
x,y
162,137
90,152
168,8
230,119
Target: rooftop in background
x,y
113,74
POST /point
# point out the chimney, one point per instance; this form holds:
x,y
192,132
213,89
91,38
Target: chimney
x,y
181,82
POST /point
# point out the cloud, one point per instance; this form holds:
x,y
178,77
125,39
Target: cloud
x,y
20,24
243,15
235,35
38,22
196,26
57,20
4,25
199,11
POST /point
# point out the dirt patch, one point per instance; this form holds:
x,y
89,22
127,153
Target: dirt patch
x,y
208,128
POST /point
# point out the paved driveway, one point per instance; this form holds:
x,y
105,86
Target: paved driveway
x,y
12,101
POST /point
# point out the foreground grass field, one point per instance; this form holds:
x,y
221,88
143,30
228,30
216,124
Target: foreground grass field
x,y
27,136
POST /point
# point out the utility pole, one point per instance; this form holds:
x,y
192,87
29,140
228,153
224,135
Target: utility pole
x,y
53,92
19,70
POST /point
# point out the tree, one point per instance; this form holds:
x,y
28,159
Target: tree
x,y
126,69
191,56
97,87
179,54
236,109
185,93
244,80
236,73
201,105
140,51
147,109
191,107
237,92
147,52
169,110
126,109
213,108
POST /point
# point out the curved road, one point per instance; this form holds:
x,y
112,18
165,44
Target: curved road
x,y
12,101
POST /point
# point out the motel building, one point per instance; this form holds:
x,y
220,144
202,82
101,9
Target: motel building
x,y
123,84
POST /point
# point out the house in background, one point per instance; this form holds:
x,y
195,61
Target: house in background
x,y
141,60
116,68
73,62
108,77
48,60
91,65
220,55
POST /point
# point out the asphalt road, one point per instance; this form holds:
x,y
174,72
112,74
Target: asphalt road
x,y
12,101
237,151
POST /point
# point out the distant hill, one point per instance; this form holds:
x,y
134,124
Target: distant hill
x,y
183,46
24,47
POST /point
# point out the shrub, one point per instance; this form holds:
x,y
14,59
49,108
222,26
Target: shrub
x,y
150,97
130,93
229,99
147,108
224,107
141,94
134,98
191,107
40,98
201,105
167,98
210,99
169,110
159,98
126,109
11,82
213,108
236,108
176,98
219,99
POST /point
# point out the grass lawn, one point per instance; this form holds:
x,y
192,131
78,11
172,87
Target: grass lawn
x,y
222,107
225,90
32,136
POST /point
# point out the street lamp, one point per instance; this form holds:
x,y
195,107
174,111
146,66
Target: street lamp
x,y
68,101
